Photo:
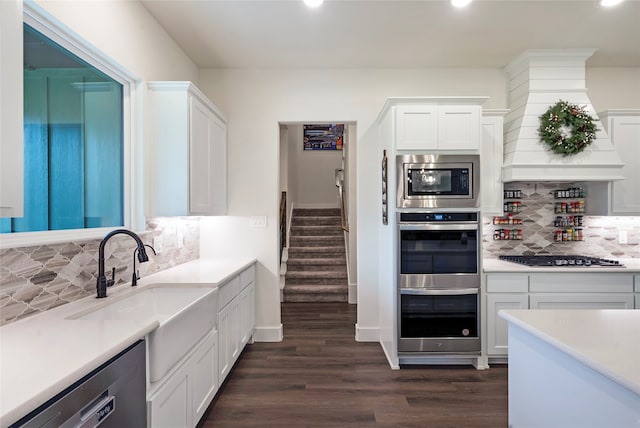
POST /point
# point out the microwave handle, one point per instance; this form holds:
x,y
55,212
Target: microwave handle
x,y
438,292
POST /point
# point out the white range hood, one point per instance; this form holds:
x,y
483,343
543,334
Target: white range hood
x,y
538,79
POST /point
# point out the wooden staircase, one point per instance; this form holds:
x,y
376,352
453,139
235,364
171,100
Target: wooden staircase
x,y
316,265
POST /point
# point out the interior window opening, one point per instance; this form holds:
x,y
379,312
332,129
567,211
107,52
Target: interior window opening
x,y
73,142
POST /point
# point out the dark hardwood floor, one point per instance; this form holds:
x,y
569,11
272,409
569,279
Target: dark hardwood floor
x,y
319,376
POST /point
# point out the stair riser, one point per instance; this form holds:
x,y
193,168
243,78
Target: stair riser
x,y
302,212
326,298
315,231
316,281
316,221
337,261
316,242
317,268
311,254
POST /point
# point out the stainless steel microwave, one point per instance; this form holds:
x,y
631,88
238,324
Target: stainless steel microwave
x,y
438,181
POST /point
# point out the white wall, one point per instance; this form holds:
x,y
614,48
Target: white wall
x,y
126,33
314,173
613,88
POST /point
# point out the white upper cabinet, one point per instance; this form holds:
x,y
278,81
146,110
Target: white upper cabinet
x,y
491,154
436,126
186,152
623,127
11,120
416,127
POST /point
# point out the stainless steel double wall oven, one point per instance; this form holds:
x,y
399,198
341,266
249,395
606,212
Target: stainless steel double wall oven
x,y
438,255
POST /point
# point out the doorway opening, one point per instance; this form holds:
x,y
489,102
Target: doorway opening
x,y
317,215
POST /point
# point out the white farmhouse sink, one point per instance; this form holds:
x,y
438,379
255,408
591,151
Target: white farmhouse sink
x,y
185,313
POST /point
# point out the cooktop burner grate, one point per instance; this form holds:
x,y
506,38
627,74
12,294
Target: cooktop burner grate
x,y
561,261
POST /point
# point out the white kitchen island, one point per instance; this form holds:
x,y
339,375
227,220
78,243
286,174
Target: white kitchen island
x,y
574,368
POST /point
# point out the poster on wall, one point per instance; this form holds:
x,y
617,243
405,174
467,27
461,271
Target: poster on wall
x,y
323,136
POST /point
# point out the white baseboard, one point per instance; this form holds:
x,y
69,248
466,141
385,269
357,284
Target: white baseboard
x,y
268,334
370,334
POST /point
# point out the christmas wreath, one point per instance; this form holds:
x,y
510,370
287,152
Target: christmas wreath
x,y
567,128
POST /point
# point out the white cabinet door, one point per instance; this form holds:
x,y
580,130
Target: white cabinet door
x,y
581,301
224,343
171,405
497,327
417,127
459,127
186,152
201,186
491,155
205,375
234,334
624,131
247,313
228,337
11,110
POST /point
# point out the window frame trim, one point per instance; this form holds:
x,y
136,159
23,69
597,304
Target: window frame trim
x,y
133,204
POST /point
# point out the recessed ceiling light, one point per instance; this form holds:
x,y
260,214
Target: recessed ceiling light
x,y
608,3
460,3
313,3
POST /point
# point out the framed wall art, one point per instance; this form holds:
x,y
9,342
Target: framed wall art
x,y
323,136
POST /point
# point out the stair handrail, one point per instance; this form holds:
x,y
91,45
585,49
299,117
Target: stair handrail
x,y
339,175
283,222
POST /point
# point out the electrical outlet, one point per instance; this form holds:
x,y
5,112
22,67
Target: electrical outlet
x,y
157,244
259,221
622,237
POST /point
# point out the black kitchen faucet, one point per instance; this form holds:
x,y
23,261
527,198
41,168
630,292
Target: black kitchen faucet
x,y
102,282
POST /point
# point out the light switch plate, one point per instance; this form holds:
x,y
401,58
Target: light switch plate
x,y
259,221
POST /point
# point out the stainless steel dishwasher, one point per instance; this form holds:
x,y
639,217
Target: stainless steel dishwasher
x,y
113,395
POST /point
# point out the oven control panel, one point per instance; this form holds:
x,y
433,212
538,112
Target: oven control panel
x,y
416,217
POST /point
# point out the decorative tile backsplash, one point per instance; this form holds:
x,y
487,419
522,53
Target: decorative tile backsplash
x,y
34,279
600,233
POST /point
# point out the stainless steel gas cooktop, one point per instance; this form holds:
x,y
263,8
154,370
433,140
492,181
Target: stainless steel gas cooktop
x,y
561,261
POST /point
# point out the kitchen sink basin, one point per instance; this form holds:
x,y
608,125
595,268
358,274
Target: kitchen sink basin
x,y
185,313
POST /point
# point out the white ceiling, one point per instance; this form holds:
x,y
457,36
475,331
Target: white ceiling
x,y
395,33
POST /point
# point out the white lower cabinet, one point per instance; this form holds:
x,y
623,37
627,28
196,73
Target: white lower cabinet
x,y
497,328
228,328
562,290
184,394
236,318
205,376
247,313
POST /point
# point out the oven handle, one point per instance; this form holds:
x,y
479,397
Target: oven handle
x,y
439,226
439,292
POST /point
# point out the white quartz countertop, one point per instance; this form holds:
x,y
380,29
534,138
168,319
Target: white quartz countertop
x,y
605,340
42,355
496,265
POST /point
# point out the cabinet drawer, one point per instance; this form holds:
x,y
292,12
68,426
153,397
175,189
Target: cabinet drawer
x,y
247,276
636,280
581,282
227,291
580,301
507,283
